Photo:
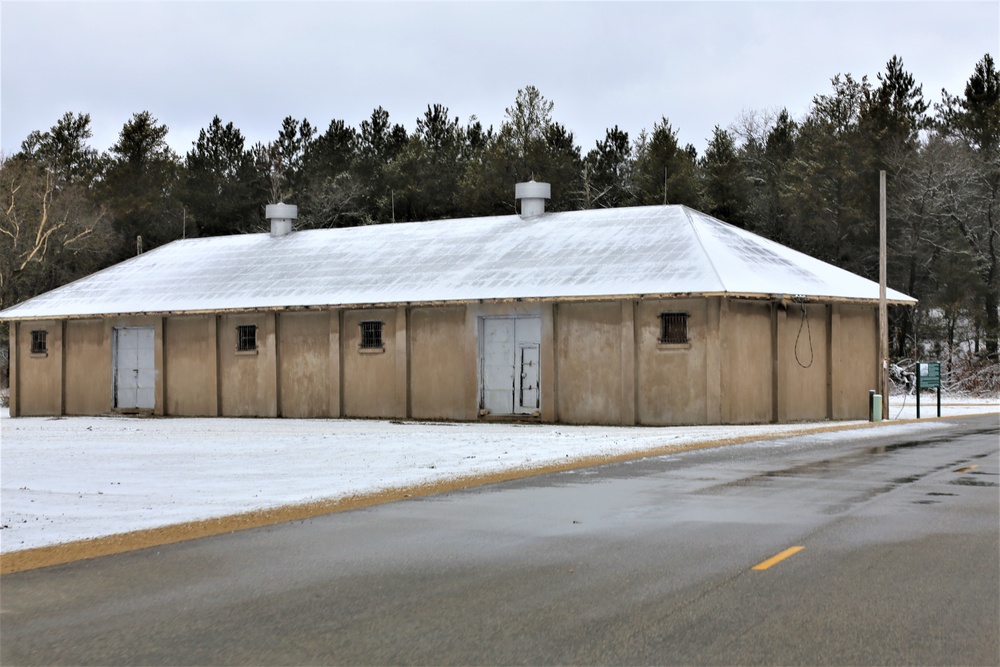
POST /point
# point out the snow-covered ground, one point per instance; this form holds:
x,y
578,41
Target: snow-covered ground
x,y
65,479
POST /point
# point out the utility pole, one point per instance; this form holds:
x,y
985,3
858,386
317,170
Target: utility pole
x,y
883,316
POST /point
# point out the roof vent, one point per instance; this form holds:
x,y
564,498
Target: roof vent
x,y
532,196
281,216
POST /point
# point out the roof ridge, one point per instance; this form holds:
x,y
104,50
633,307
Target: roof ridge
x,y
704,250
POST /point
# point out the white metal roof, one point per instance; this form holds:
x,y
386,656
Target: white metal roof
x,y
595,253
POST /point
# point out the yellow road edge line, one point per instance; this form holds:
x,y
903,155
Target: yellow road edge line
x,y
966,469
778,558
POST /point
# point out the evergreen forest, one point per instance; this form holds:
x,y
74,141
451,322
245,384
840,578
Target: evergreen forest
x,y
810,182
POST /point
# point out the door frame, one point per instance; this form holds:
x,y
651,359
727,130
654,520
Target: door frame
x,y
519,345
114,367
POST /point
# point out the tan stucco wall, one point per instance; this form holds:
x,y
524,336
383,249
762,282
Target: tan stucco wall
x,y
672,380
600,362
39,376
802,392
746,362
439,364
87,348
589,362
371,379
854,368
190,366
247,380
304,364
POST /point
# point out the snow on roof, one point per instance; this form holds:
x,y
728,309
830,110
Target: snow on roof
x,y
647,250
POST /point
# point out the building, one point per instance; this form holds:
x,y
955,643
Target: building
x,y
648,315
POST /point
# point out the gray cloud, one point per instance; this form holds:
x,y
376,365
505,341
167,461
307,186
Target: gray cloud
x,y
700,64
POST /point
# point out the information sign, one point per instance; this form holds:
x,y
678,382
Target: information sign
x,y
929,377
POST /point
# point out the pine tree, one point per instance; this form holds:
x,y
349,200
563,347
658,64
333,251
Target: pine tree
x,y
608,172
140,186
379,143
835,183
725,182
333,195
64,150
664,172
425,176
529,145
219,187
893,113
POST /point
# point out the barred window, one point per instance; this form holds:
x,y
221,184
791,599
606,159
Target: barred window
x,y
371,335
673,327
246,337
38,343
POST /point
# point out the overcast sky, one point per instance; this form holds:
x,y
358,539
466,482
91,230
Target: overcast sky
x,y
700,64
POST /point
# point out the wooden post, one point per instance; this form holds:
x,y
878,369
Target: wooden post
x,y
883,318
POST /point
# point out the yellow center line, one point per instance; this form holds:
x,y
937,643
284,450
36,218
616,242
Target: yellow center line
x,y
966,468
778,558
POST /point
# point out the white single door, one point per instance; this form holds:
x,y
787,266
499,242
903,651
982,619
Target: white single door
x,y
510,365
498,367
135,370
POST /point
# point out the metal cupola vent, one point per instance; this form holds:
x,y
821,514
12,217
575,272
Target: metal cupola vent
x,y
532,196
281,217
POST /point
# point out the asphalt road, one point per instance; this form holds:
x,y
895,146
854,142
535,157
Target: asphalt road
x,y
649,562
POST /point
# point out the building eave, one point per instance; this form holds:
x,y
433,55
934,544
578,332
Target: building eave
x,y
746,296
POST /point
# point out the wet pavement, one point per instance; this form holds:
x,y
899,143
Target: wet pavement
x,y
645,562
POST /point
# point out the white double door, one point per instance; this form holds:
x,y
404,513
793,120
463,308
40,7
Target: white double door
x,y
135,368
509,359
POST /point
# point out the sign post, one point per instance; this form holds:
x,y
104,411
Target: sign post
x,y
929,377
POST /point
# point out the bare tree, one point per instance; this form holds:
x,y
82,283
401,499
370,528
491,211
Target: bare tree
x,y
337,201
48,235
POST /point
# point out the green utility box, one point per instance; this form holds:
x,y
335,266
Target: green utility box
x,y
874,406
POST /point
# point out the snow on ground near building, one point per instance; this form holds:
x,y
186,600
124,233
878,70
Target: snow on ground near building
x,y
72,478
